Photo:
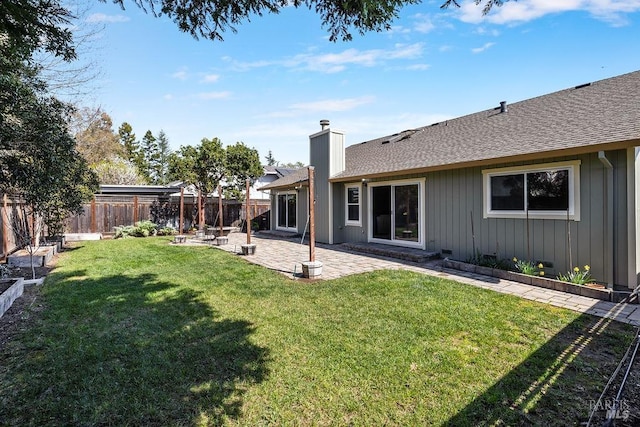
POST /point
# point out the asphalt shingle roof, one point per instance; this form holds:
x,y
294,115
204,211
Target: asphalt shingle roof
x,y
294,177
603,112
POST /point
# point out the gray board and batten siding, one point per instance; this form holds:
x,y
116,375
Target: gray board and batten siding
x,y
453,199
326,154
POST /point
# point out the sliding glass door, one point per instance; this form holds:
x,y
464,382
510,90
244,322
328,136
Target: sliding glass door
x,y
286,214
396,213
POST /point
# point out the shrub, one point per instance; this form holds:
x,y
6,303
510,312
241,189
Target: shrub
x,y
144,228
167,231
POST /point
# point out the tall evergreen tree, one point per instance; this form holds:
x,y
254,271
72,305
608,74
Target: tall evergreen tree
x,y
132,150
149,148
128,141
270,159
161,168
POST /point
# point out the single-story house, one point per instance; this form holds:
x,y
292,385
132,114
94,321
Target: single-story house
x,y
553,179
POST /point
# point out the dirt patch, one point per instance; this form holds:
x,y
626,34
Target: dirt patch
x,y
628,406
20,315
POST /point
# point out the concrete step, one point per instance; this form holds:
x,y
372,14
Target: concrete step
x,y
278,234
397,252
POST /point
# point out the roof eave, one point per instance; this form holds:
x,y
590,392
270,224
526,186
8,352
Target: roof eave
x,y
289,186
491,161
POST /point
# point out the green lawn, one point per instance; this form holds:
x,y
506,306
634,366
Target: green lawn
x,y
140,332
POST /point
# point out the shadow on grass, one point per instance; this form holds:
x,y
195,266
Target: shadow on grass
x,y
558,384
128,351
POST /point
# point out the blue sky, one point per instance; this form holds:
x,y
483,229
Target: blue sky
x,y
269,84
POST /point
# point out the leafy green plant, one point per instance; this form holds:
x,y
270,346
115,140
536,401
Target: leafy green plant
x,y
528,267
166,231
123,231
577,276
144,228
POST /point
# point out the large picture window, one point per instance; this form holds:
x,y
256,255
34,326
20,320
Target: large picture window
x,y
353,205
540,191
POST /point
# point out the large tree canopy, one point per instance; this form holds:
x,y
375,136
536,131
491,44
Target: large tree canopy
x,y
211,18
29,25
38,157
44,24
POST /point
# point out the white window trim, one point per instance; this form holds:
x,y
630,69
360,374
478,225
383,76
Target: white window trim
x,y
281,193
574,191
357,223
421,243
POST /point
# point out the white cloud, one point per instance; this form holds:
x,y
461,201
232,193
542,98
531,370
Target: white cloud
x,y
245,66
336,62
332,105
213,95
325,106
418,67
109,19
210,78
168,97
482,48
514,12
482,31
398,29
424,23
330,63
180,75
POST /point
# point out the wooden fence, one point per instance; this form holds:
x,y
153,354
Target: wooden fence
x,y
108,211
12,224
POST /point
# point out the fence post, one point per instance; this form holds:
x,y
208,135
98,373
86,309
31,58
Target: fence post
x,y
181,230
5,225
93,214
135,209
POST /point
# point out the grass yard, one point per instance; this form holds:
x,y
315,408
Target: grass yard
x,y
140,332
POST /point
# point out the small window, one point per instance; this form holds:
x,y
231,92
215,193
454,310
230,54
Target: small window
x,y
353,207
540,191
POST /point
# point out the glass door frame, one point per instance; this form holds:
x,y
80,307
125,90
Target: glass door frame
x,y
287,195
420,182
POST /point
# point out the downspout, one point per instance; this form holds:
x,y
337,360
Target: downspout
x,y
608,219
633,216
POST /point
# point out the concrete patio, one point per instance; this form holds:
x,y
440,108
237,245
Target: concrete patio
x,y
285,255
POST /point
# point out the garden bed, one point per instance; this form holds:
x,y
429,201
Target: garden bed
x,y
10,290
592,291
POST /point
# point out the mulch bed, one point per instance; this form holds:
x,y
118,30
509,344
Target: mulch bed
x,y
18,318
